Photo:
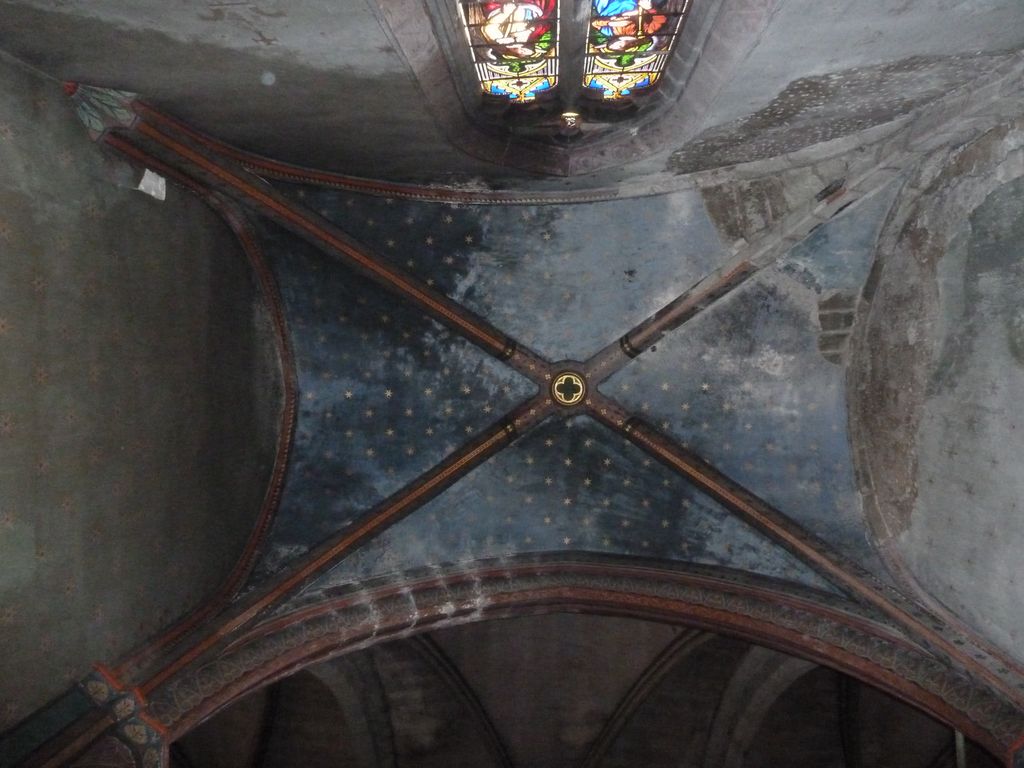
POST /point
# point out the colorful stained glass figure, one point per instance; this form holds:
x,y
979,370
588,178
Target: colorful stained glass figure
x,y
514,45
629,43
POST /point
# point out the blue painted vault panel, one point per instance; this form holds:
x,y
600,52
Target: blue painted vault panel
x,y
564,280
384,394
570,485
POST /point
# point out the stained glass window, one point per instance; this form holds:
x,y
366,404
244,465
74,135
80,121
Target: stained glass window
x,y
515,46
629,43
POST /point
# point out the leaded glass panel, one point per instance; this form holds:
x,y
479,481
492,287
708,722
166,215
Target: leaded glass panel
x,y
514,46
629,44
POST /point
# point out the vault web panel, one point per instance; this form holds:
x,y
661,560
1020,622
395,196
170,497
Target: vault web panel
x,y
756,385
563,279
570,486
747,389
384,394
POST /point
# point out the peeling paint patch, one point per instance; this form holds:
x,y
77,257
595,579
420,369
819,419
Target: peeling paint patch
x,y
812,110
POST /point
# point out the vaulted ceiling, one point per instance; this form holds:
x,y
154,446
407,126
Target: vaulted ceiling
x,y
789,291
674,698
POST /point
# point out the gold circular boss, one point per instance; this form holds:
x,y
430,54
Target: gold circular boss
x,y
568,388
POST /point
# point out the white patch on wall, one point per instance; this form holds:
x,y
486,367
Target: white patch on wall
x,y
153,184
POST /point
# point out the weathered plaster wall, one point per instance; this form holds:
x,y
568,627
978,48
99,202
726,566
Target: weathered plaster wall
x,y
965,532
310,81
831,37
139,400
329,84
814,108
936,382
